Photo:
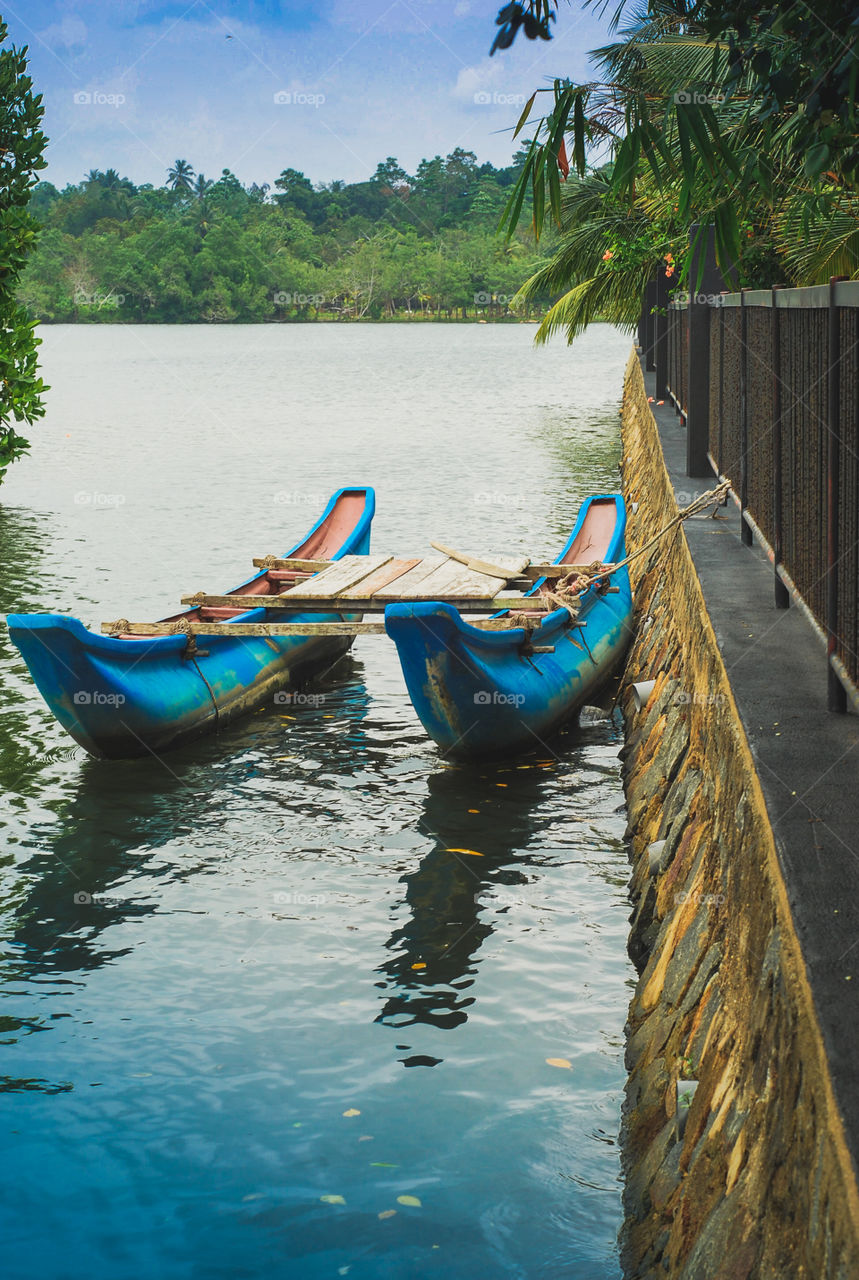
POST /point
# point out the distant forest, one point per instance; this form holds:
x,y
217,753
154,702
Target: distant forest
x,y
399,246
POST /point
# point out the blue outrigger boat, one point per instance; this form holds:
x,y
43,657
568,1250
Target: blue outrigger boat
x,y
483,693
124,696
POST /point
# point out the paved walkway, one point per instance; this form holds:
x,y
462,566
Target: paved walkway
x,y
807,759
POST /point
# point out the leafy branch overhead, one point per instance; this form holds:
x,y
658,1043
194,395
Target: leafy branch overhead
x,y
698,113
22,144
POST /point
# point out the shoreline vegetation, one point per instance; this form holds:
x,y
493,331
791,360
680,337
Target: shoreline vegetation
x,y
398,247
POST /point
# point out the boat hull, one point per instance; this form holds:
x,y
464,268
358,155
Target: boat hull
x,y
123,698
485,693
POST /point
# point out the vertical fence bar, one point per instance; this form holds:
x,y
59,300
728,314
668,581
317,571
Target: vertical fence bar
x,y
836,693
661,335
782,595
745,529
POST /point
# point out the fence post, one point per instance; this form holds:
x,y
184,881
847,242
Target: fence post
x,y
650,326
720,459
745,529
836,693
660,330
782,595
704,279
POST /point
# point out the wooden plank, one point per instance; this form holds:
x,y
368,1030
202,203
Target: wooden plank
x,y
536,571
146,629
309,566
345,573
453,579
415,576
390,572
377,604
236,629
503,566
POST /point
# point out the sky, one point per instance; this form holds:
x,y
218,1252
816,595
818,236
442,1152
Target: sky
x,y
330,87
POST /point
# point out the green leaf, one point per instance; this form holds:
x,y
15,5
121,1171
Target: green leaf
x,y
525,114
816,160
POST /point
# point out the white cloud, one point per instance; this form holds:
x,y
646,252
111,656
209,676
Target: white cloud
x,y
478,79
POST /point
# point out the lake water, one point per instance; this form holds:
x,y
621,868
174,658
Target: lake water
x,y
287,1004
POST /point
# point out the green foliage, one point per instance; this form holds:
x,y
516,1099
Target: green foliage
x,y
210,252
701,114
21,146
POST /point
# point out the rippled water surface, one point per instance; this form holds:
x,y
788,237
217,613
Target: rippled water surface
x,y
287,1003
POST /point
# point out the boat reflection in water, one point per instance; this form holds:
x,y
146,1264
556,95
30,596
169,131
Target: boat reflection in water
x,y
432,965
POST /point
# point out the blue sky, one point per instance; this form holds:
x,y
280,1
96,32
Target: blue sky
x,y
259,87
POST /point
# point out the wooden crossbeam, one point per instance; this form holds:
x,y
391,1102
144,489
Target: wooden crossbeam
x,y
305,566
376,604
237,629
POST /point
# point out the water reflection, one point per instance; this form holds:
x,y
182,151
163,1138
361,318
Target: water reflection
x,y
97,859
433,954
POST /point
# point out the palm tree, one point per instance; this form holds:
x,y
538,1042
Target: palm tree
x,y
180,176
202,185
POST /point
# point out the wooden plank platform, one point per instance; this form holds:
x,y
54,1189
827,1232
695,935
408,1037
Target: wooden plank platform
x,y
367,584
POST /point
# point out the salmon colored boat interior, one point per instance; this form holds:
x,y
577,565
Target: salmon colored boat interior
x,y
320,545
594,537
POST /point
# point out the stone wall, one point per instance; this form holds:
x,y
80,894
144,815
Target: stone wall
x,y
760,1184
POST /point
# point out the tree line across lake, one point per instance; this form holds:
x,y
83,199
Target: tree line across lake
x,y
397,246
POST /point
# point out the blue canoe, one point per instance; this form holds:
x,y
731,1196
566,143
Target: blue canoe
x,y
483,693
122,697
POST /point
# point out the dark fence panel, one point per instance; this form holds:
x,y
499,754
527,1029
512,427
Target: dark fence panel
x,y
770,425
678,356
848,565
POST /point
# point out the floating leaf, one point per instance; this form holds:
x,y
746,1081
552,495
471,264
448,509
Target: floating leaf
x,y
474,811
412,1201
380,1164
387,1213
366,1137
472,853
257,1195
560,1062
332,1199
419,965
351,1112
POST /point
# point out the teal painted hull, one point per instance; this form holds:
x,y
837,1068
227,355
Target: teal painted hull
x,y
127,698
479,693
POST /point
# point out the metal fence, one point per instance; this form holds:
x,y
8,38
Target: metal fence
x,y
783,427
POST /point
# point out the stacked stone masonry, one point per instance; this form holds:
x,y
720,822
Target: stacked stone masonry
x,y
760,1184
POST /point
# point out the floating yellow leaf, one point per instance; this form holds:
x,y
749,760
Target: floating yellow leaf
x,y
474,811
419,965
382,1164
351,1112
412,1201
332,1199
387,1213
472,853
501,784
560,1062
